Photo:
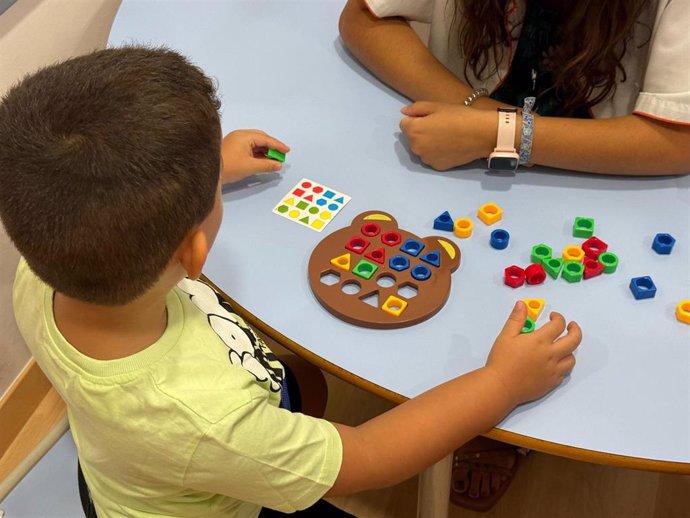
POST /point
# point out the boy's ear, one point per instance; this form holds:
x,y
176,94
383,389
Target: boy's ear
x,y
193,252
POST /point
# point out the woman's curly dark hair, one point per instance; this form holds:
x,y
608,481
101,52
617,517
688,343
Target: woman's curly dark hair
x,y
591,40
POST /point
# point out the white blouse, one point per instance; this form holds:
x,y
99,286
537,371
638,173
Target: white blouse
x,y
658,72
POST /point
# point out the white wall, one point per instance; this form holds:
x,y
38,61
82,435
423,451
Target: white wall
x,y
35,33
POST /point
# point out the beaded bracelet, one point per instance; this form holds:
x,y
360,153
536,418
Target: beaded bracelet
x,y
479,92
527,131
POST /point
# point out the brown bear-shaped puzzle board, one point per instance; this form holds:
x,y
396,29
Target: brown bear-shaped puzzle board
x,y
375,274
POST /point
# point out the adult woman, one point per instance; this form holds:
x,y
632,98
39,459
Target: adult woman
x,y
610,79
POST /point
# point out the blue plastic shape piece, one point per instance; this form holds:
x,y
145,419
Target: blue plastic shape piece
x,y
642,287
663,244
399,263
444,222
499,239
412,247
433,258
421,272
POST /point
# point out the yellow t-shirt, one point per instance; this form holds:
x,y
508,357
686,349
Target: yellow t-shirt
x,y
190,426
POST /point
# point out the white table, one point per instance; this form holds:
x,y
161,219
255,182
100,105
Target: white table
x,y
281,67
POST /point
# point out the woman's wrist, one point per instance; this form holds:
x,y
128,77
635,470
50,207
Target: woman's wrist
x,y
486,103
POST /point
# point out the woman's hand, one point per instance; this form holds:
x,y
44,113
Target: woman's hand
x,y
244,151
449,135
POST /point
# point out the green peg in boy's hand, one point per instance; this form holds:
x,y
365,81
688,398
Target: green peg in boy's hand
x,y
244,154
530,365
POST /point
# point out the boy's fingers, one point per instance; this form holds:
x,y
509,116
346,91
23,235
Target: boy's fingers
x,y
262,165
516,320
565,345
554,327
566,365
266,141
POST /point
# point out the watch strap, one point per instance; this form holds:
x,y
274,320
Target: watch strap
x,y
527,131
507,121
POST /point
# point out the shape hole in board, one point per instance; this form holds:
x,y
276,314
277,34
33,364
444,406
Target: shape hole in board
x,y
330,278
393,306
407,291
386,281
351,288
372,299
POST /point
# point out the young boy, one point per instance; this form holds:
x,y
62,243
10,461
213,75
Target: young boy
x,y
110,177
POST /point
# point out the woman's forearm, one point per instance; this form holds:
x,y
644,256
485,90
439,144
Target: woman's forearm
x,y
393,52
628,145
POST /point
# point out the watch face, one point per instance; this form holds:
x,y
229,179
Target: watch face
x,y
503,163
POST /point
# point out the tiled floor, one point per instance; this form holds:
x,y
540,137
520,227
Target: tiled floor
x,y
49,490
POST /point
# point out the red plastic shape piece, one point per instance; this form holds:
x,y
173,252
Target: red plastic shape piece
x,y
514,276
592,268
357,245
370,229
535,274
594,247
391,238
379,255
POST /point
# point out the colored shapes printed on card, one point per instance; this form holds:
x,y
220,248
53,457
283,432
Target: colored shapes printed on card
x,y
311,204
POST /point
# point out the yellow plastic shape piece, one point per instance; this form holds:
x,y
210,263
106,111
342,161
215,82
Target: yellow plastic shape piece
x,y
683,311
342,262
573,253
490,213
534,307
462,227
394,306
377,217
448,248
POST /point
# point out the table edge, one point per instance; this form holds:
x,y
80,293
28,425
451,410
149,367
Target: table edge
x,y
524,441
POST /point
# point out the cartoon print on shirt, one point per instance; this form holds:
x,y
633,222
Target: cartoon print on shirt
x,y
246,349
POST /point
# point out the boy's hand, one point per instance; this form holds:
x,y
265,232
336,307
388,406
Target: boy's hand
x,y
243,154
530,365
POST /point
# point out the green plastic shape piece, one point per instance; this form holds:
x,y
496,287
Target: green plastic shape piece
x,y
573,271
274,154
553,266
529,326
365,269
583,227
610,262
541,253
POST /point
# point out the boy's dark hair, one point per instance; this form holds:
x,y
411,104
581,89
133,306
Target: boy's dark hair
x,y
106,162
